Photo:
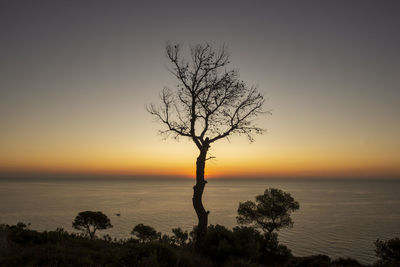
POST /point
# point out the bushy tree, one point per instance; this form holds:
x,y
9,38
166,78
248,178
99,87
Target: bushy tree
x,y
273,251
245,243
270,212
248,242
91,221
145,233
388,252
209,103
219,244
180,238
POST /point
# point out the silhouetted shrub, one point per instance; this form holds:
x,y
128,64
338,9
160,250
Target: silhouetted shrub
x,y
145,233
148,254
219,243
166,239
239,247
91,221
163,253
388,252
223,245
248,243
180,238
21,235
272,251
349,262
240,263
190,258
310,261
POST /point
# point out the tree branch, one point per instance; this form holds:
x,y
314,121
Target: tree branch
x,y
210,102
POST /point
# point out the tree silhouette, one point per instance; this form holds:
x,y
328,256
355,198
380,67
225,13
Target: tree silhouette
x,y
179,237
209,103
388,252
270,212
91,221
145,233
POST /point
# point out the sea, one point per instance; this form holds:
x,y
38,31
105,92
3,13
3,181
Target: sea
x,y
337,217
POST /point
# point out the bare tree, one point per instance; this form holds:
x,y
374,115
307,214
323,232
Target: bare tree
x,y
209,103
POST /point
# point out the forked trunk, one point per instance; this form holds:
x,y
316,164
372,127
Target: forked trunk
x,y
198,189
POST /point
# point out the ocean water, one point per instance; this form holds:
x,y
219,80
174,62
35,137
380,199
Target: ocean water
x,y
339,218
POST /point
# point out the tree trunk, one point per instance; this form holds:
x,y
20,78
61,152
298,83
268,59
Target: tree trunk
x,y
198,189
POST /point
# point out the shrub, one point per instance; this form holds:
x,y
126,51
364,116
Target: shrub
x,y
180,238
388,252
145,233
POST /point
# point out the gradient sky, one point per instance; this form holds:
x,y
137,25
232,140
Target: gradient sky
x,y
76,77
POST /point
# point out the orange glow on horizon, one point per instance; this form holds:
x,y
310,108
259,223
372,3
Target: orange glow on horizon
x,y
155,157
213,171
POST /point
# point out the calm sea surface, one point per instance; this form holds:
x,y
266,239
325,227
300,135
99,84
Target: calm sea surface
x,y
338,218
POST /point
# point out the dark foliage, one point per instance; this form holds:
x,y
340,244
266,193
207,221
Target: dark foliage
x,y
346,262
91,221
24,247
180,238
388,252
243,243
145,233
239,247
311,261
270,212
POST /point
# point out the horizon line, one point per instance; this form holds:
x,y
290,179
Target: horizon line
x,y
13,175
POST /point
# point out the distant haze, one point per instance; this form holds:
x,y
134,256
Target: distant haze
x,y
76,77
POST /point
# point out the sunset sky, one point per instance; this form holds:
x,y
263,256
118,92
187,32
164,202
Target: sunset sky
x,y
76,77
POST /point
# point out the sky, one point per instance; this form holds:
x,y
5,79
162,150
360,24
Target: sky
x,y
76,77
